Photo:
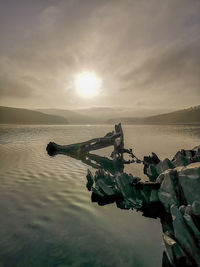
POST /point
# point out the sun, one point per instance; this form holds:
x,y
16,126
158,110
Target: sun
x,y
87,84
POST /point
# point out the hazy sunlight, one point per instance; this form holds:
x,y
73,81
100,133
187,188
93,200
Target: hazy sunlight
x,y
87,84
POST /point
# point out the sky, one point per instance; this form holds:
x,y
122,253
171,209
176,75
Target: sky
x,y
146,53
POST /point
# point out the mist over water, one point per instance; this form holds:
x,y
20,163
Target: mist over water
x,y
47,217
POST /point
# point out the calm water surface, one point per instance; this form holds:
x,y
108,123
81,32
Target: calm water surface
x,y
47,217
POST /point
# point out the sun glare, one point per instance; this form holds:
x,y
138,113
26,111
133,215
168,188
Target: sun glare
x,y
87,84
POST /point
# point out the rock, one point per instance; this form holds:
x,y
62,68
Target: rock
x,y
188,210
189,180
104,188
193,228
166,193
90,180
182,209
164,165
183,236
160,178
154,196
180,159
97,192
150,163
131,196
196,149
196,208
174,251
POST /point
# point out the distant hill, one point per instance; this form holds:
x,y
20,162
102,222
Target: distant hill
x,y
190,115
93,115
185,116
126,120
105,113
73,117
98,115
25,116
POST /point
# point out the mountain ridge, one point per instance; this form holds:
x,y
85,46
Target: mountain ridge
x,y
10,115
97,116
183,116
72,116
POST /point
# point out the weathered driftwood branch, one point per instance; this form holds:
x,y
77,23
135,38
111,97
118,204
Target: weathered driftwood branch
x,y
115,139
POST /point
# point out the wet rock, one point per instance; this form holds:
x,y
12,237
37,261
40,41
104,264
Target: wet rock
x,y
154,196
131,196
183,237
90,180
96,191
164,165
189,180
180,159
196,208
174,252
166,193
150,163
103,187
160,178
193,229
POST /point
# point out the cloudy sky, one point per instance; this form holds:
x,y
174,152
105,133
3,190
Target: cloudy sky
x,y
146,52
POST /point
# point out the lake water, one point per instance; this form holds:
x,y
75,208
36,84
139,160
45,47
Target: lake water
x,y
47,217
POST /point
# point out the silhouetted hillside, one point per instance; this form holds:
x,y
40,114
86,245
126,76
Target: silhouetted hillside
x,y
25,116
185,116
99,115
190,115
93,115
72,116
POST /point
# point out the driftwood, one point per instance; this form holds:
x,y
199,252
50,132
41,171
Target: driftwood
x,y
115,139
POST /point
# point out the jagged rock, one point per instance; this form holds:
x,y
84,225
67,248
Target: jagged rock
x,y
90,180
97,192
175,253
196,157
196,208
150,163
154,196
160,178
196,233
125,185
103,187
166,192
184,238
164,165
189,180
180,159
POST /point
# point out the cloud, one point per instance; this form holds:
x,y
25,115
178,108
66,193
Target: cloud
x,y
177,65
143,50
14,88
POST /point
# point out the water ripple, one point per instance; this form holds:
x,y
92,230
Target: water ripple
x,y
47,218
